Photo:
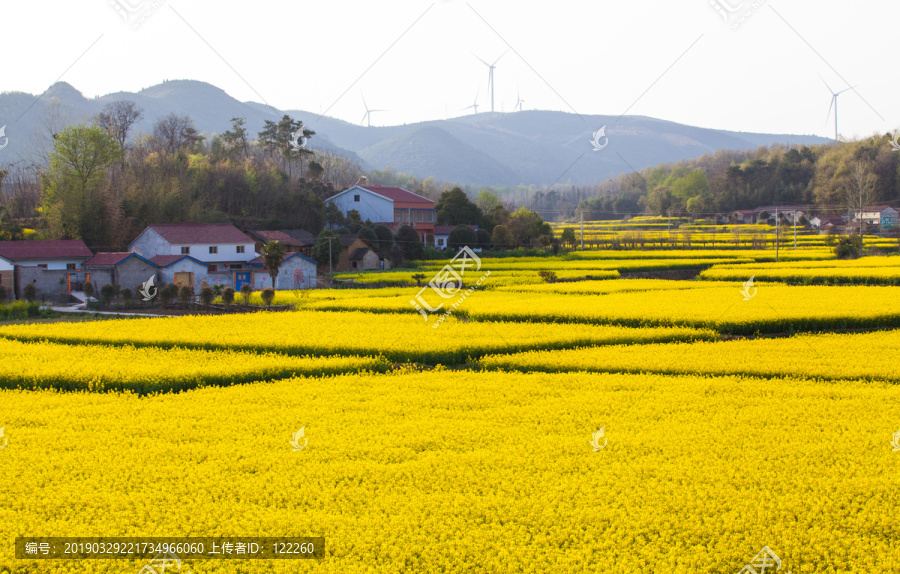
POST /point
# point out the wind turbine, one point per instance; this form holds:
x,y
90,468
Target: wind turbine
x,y
474,105
368,117
834,97
491,75
519,102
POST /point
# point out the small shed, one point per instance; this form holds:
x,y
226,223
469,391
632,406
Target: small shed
x,y
127,269
181,270
296,272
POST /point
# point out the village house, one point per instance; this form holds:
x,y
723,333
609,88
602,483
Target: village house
x,y
184,270
357,254
387,205
744,216
295,272
792,213
225,249
51,266
883,217
124,268
294,240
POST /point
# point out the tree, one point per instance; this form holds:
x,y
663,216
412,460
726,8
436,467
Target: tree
x,y
88,289
127,295
117,118
410,243
107,292
568,236
228,296
327,250
236,139
277,139
502,238
273,254
73,189
526,225
175,133
455,208
484,238
367,234
859,191
385,238
462,236
848,247
169,293
186,293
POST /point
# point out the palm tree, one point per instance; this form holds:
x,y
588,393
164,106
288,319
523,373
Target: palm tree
x,y
273,254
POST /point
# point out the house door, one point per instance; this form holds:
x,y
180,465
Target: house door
x,y
184,278
241,278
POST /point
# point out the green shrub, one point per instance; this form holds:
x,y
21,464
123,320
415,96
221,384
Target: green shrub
x,y
228,296
186,293
30,292
207,295
246,290
268,295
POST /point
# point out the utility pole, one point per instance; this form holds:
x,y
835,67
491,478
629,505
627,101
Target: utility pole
x,y
581,211
795,231
776,234
330,271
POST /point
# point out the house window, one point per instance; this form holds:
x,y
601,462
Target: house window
x,y
429,216
353,264
70,267
356,198
240,248
212,268
42,265
213,249
236,266
185,250
440,242
417,214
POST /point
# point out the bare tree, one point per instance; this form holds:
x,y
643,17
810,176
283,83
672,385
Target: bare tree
x,y
173,133
57,116
117,118
859,191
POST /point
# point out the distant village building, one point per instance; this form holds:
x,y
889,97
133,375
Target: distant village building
x,y
51,266
883,217
129,270
294,240
791,213
388,205
296,272
357,254
744,216
185,270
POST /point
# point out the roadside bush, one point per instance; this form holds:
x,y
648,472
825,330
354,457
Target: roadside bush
x,y
186,294
107,292
228,296
548,276
168,293
246,291
268,295
127,295
207,295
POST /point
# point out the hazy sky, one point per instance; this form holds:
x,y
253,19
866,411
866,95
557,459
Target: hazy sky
x,y
677,60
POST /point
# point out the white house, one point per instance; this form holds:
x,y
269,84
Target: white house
x,y
56,255
225,249
384,204
7,275
296,272
884,216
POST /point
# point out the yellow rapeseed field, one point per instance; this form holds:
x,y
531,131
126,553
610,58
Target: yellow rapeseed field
x,y
868,356
401,337
449,471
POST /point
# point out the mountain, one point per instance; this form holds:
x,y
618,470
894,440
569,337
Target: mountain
x,y
529,147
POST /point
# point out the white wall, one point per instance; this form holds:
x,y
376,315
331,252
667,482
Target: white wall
x,y
285,280
6,265
57,264
167,274
370,206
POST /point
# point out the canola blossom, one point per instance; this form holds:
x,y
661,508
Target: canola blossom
x,y
443,471
774,308
822,357
400,337
145,370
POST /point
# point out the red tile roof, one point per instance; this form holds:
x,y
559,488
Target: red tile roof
x,y
397,194
299,237
112,258
202,233
166,260
56,249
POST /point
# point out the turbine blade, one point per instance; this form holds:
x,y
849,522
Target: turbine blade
x,y
482,61
501,55
826,84
833,98
847,90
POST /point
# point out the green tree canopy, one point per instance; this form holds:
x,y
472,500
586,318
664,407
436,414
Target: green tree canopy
x,y
462,236
409,242
455,208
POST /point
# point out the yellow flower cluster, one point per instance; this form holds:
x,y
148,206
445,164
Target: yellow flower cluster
x,y
604,287
148,370
496,279
445,471
864,356
400,337
866,270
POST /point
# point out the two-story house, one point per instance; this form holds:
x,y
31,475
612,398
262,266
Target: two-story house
x,y
225,249
390,205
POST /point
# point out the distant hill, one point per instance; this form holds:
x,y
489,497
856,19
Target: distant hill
x,y
530,147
